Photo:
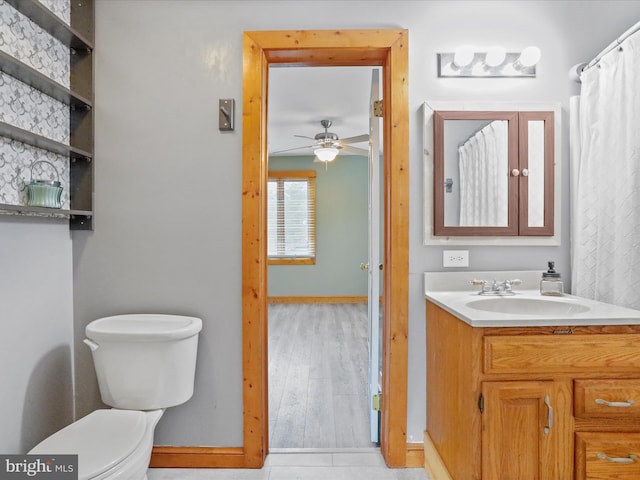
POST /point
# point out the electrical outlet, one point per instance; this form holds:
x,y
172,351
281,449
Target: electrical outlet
x,y
455,258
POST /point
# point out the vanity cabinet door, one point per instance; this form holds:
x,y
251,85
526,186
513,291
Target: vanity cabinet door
x,y
520,440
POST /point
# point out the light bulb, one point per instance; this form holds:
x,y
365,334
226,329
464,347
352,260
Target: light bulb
x,y
495,56
463,56
529,56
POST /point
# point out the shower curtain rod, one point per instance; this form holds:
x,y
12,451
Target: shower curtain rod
x,y
612,46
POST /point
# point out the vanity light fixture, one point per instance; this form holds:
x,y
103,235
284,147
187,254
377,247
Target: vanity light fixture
x,y
326,154
488,62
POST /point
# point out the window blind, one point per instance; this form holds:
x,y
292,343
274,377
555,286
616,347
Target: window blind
x,y
291,217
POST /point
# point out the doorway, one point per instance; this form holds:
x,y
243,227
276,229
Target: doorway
x,y
318,328
385,48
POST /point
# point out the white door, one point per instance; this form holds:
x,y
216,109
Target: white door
x,y
374,262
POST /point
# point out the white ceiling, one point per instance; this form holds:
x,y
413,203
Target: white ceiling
x,y
299,97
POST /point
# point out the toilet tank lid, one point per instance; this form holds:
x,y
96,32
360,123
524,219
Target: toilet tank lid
x,y
143,327
102,440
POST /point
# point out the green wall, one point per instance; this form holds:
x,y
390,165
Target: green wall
x,y
341,230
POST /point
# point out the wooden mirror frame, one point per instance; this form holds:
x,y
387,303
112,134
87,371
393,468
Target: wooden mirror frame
x,y
517,224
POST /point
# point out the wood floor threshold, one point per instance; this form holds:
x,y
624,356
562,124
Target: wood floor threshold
x,y
319,299
280,451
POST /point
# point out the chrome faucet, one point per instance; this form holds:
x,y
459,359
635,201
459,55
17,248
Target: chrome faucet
x,y
496,288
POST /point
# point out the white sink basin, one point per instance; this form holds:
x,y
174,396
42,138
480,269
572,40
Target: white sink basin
x,y
454,292
528,306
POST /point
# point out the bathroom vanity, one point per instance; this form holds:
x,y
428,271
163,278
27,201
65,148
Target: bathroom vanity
x,y
549,392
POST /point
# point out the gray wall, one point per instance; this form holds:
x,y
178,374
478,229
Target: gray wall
x,y
341,230
36,283
168,184
35,331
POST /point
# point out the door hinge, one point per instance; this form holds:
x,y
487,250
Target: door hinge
x,y
481,403
377,108
376,402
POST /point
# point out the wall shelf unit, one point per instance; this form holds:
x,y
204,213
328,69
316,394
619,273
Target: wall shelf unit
x,y
78,37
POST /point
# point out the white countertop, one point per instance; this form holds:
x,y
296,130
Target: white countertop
x,y
453,292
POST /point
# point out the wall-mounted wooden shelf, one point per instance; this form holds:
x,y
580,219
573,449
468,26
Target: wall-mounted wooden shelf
x,y
30,138
78,37
43,17
78,219
37,80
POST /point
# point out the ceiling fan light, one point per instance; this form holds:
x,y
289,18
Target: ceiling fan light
x,y
326,154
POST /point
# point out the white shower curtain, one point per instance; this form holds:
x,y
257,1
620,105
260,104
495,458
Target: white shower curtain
x,y
606,180
483,191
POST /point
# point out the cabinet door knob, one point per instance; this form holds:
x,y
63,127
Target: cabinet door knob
x,y
515,172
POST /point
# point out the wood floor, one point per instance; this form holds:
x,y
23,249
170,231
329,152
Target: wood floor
x,y
318,359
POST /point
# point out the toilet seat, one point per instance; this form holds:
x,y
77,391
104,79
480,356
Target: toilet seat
x,y
102,440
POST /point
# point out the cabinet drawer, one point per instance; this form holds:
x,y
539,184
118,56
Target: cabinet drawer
x,y
608,456
607,398
561,353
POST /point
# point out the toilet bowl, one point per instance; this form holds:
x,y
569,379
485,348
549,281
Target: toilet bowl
x,y
144,364
109,443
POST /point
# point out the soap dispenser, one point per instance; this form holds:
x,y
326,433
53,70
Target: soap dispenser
x,y
551,283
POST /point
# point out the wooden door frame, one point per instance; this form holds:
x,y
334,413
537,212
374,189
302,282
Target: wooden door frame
x,y
389,50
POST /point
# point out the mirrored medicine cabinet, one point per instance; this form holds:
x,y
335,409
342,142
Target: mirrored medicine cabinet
x,y
492,174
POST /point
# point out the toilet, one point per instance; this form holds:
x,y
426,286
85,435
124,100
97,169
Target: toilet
x,y
144,363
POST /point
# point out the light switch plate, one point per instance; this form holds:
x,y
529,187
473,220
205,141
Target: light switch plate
x,y
455,258
226,114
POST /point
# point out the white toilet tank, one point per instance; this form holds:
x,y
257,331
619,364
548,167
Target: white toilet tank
x,y
145,361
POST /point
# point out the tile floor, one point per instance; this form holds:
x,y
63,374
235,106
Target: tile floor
x,y
356,464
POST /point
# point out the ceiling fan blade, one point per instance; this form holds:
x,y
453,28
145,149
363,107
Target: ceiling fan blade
x,y
358,151
291,149
357,139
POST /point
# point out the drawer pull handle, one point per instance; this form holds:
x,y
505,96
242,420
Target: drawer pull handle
x,y
628,403
630,459
547,402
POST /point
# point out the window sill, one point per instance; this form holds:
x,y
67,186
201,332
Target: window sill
x,y
291,261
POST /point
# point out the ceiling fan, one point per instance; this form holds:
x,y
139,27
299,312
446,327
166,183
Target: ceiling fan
x,y
327,144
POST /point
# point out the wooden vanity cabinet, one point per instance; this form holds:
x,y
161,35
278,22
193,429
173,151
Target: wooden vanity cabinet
x,y
529,403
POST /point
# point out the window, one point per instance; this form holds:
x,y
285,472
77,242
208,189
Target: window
x,y
291,217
